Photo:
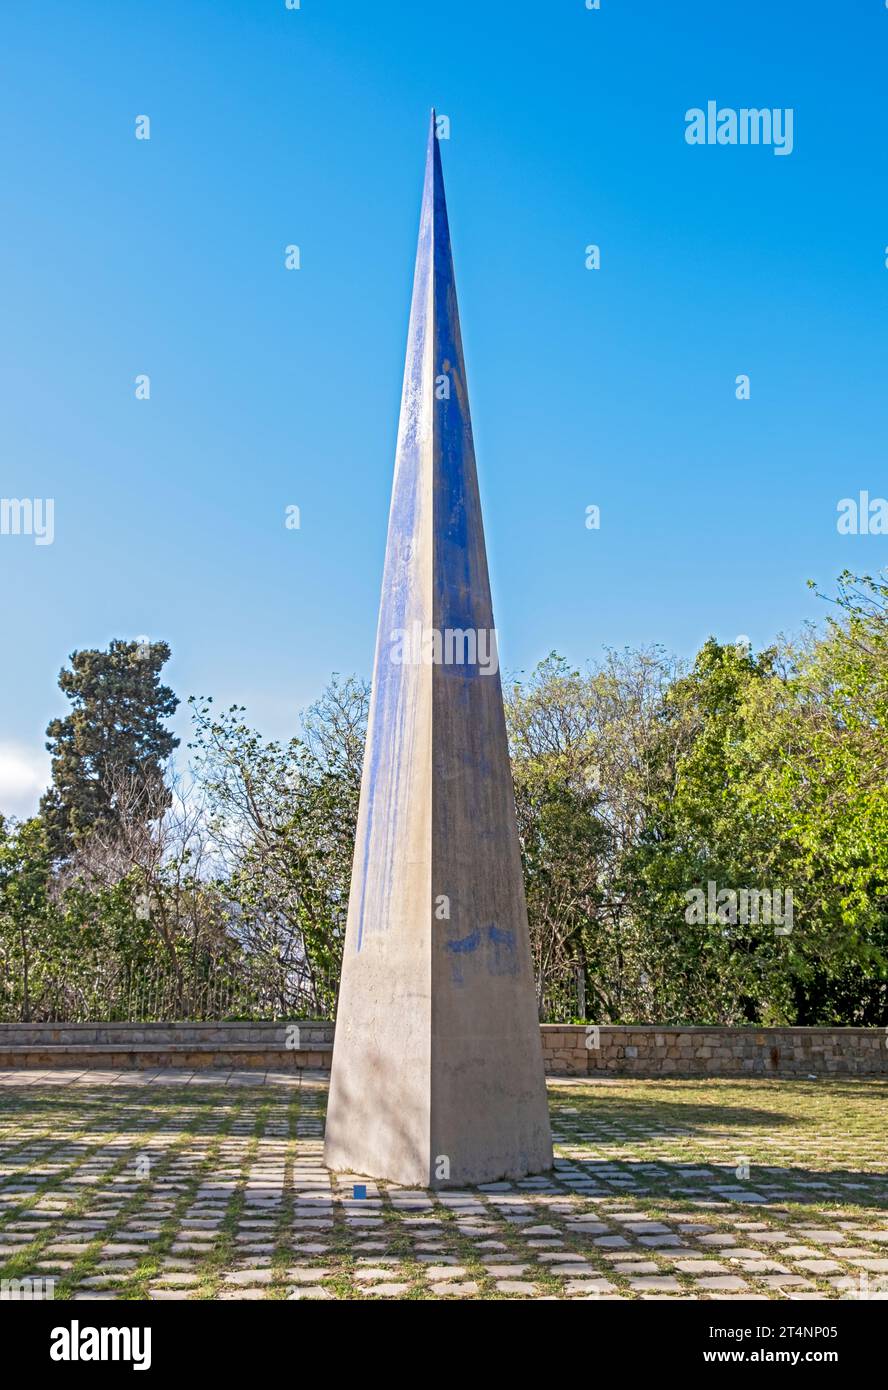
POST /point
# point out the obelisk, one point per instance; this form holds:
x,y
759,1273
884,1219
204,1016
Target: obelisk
x,y
437,1072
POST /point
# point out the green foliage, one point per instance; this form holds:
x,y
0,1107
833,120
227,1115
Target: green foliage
x,y
284,816
24,911
757,774
114,737
654,803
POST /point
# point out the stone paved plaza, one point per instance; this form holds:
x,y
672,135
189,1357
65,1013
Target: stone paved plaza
x,y
197,1185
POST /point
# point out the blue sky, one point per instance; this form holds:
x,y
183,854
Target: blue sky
x,y
272,388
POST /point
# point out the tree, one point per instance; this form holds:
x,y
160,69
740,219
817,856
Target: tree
x,y
819,761
283,817
24,911
783,789
115,729
151,867
581,760
701,828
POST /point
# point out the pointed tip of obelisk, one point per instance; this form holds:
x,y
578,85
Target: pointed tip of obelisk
x,y
432,142
434,195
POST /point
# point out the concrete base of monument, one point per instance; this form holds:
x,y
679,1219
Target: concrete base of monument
x,y
409,1179
443,1170
475,1112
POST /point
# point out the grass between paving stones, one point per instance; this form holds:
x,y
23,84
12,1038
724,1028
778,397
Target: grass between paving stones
x,y
510,1237
843,1113
400,1251
650,1137
208,1267
668,1212
22,1265
284,1254
345,1262
134,1284
341,1256
222,1254
81,1267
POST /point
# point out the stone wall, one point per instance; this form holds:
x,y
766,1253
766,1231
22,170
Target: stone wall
x,y
143,1046
652,1051
568,1050
219,1034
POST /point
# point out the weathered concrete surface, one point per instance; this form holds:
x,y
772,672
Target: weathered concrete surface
x,y
437,1065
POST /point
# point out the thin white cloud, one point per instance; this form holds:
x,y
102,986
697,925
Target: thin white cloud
x,y
24,774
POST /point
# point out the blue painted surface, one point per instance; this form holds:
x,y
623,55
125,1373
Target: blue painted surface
x,y
455,574
502,959
458,949
460,600
465,944
499,957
